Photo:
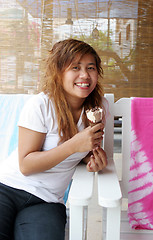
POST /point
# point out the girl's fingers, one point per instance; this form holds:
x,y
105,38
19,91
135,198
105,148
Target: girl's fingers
x,y
98,160
102,156
97,127
93,166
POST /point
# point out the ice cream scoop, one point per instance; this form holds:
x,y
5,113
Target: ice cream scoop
x,y
95,115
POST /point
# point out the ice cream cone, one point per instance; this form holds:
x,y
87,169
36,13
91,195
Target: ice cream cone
x,y
94,116
92,123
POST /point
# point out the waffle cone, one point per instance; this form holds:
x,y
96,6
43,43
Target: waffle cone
x,y
92,123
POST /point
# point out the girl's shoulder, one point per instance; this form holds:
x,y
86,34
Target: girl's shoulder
x,y
36,112
39,100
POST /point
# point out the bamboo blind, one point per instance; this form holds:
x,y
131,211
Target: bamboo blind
x,y
120,30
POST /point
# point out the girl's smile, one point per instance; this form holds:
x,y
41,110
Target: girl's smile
x,y
82,85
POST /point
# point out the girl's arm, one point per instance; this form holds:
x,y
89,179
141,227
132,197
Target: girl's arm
x,y
33,160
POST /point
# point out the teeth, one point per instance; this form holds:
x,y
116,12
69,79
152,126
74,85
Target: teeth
x,y
83,84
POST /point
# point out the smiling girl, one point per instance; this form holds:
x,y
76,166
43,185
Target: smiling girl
x,y
53,138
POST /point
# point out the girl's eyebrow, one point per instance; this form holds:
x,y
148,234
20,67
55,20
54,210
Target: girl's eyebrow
x,y
88,63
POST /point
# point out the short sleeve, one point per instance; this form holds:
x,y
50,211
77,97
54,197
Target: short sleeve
x,y
33,114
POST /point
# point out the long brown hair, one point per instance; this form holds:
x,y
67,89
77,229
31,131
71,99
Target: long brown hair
x,y
60,57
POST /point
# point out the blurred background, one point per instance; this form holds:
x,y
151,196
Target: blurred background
x,y
120,30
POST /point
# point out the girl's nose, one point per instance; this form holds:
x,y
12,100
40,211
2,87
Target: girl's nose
x,y
84,74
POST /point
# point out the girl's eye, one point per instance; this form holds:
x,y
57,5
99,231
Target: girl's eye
x,y
91,68
75,67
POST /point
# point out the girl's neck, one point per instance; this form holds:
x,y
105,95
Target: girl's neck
x,y
75,107
76,114
76,110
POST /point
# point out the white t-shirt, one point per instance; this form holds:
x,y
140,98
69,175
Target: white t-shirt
x,y
39,115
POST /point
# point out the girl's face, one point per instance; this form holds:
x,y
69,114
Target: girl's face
x,y
80,78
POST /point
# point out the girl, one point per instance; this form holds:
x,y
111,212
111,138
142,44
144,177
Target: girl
x,y
53,138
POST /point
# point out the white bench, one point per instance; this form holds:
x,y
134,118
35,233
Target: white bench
x,y
112,188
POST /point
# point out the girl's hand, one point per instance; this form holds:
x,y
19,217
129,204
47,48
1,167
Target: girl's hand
x,y
98,160
88,139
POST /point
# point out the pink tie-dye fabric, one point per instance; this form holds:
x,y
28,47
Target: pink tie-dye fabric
x,y
140,208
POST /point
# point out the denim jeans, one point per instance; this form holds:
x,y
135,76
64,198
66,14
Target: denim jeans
x,y
24,216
